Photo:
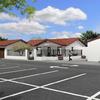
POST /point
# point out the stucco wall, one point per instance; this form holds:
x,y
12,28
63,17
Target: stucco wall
x,y
15,57
92,52
75,45
25,57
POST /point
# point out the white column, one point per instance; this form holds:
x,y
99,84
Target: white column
x,y
5,53
35,54
26,54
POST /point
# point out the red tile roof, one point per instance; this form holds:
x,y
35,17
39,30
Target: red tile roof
x,y
7,42
63,42
35,42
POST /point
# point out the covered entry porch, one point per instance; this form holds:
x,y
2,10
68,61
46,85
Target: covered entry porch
x,y
56,53
49,53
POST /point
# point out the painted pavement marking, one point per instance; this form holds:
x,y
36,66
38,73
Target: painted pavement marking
x,y
49,72
17,82
22,92
66,79
35,87
10,67
60,91
94,96
58,67
18,71
70,65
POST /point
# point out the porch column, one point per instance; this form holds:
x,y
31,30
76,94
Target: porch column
x,y
26,54
5,53
34,53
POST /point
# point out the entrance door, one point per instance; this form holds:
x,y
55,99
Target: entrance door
x,y
48,51
1,52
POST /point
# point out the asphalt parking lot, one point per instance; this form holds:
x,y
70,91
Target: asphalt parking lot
x,y
27,80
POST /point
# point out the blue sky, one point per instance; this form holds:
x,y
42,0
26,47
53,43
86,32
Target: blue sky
x,y
53,19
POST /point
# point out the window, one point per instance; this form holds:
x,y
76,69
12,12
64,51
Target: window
x,y
76,52
58,50
72,48
54,52
11,52
39,51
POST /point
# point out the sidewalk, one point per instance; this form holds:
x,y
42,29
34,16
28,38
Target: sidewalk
x,y
75,62
84,63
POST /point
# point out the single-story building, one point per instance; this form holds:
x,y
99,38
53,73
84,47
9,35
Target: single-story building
x,y
92,51
14,49
43,49
56,49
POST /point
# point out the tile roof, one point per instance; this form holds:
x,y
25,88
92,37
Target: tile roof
x,y
35,42
8,42
62,42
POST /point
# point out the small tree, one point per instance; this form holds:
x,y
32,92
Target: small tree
x,y
21,48
20,5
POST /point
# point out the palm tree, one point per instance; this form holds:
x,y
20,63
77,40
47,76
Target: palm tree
x,y
88,35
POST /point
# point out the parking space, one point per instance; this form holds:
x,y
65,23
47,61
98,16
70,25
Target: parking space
x,y
86,85
55,75
39,81
42,94
7,88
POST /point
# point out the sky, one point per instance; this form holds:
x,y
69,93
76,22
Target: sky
x,y
52,19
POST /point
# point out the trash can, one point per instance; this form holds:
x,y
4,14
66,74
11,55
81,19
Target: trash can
x,y
60,57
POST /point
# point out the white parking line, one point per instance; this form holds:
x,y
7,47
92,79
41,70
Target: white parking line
x,y
17,71
34,87
22,92
10,67
94,96
70,65
22,83
74,94
70,93
66,79
74,65
58,67
4,80
35,75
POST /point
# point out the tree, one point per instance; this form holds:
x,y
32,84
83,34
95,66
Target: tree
x,y
21,47
21,5
1,39
88,35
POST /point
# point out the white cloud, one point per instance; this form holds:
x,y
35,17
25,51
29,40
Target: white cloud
x,y
15,25
5,16
57,16
63,34
4,35
80,27
24,26
76,34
